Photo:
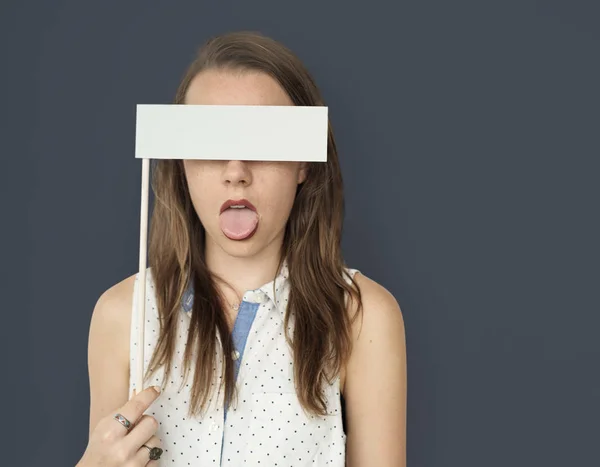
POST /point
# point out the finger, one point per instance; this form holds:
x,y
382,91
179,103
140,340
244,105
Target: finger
x,y
136,406
144,429
142,456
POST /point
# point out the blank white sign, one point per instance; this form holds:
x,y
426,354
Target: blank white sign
x,y
231,132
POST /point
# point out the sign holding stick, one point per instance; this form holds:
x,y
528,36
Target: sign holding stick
x,y
219,132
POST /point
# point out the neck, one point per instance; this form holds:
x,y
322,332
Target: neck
x,y
244,273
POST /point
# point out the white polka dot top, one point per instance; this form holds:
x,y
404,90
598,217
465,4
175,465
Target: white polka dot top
x,y
267,426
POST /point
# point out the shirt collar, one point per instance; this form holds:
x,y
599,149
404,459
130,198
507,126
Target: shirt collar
x,y
272,291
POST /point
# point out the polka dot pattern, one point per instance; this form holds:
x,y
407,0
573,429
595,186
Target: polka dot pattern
x,y
268,425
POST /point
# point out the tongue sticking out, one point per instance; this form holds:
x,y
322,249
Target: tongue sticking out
x,y
238,223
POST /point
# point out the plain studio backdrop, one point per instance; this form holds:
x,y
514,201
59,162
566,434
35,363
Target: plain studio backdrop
x,y
468,134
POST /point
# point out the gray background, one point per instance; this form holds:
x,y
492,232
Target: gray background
x,y
468,135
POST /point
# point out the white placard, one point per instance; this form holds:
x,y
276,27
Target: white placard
x,y
231,132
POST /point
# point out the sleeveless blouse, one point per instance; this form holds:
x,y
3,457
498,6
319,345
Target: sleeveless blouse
x,y
267,425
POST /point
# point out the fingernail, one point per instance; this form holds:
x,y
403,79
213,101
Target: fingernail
x,y
156,388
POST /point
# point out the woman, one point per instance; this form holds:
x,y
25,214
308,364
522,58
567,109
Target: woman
x,y
267,349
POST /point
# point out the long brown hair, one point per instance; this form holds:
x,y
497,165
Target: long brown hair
x,y
321,340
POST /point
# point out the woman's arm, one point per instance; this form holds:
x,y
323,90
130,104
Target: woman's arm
x,y
108,350
375,383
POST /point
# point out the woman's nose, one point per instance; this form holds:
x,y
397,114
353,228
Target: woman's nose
x,y
237,173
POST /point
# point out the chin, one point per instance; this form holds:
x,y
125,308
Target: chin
x,y
240,249
246,248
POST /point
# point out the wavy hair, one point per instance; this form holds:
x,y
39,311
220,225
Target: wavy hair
x,y
321,338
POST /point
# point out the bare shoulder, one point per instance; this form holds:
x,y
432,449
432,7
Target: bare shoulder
x,y
378,327
381,314
114,305
108,349
110,325
375,384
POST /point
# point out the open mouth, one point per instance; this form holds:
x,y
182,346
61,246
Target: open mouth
x,y
238,219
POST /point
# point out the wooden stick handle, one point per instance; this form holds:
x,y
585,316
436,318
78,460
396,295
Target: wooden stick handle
x,y
141,298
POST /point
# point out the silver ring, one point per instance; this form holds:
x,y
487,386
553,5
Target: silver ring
x,y
123,421
153,453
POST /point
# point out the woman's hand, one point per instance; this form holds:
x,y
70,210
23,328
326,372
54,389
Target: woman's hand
x,y
111,444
